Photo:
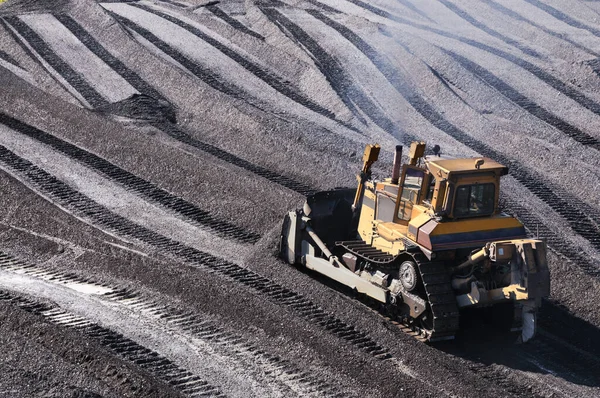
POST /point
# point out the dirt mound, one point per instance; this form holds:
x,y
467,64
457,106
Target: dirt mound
x,y
143,107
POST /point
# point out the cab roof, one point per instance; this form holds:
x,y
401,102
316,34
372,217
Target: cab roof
x,y
465,165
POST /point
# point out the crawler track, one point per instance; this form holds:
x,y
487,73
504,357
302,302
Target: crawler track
x,y
160,367
440,297
135,184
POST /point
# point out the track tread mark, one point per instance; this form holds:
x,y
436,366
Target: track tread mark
x,y
525,103
187,321
268,77
219,13
122,346
479,25
330,67
58,64
512,14
113,62
134,183
83,206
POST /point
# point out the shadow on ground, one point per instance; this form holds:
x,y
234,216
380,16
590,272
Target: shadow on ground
x,y
565,346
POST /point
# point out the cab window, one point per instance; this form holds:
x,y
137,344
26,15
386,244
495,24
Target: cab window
x,y
410,192
430,190
474,200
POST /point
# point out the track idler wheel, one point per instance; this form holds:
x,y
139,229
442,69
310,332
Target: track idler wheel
x,y
409,276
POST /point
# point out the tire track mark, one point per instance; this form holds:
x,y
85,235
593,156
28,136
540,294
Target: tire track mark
x,y
547,78
6,57
561,16
197,326
75,203
213,79
322,6
386,14
202,73
252,67
174,3
233,22
60,66
512,14
335,74
69,48
33,57
328,66
300,306
141,357
95,47
378,11
142,187
481,26
285,181
538,72
170,129
582,218
16,39
525,103
408,4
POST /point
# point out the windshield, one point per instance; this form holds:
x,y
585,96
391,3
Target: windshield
x,y
474,200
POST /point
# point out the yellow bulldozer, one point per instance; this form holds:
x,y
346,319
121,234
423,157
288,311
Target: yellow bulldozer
x,y
427,244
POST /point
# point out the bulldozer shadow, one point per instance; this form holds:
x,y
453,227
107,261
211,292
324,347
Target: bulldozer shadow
x,y
565,349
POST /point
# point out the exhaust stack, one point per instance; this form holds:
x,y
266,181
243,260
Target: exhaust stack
x,y
397,164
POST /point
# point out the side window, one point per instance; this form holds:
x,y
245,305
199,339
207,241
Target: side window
x,y
430,190
385,207
411,192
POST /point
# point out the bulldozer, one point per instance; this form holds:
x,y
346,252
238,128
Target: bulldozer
x,y
426,245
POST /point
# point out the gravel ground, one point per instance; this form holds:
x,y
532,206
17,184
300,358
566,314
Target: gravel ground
x,y
235,110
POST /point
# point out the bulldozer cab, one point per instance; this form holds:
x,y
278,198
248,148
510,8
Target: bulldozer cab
x,y
427,188
452,188
464,188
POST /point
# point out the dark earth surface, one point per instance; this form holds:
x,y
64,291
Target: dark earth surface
x,y
149,150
